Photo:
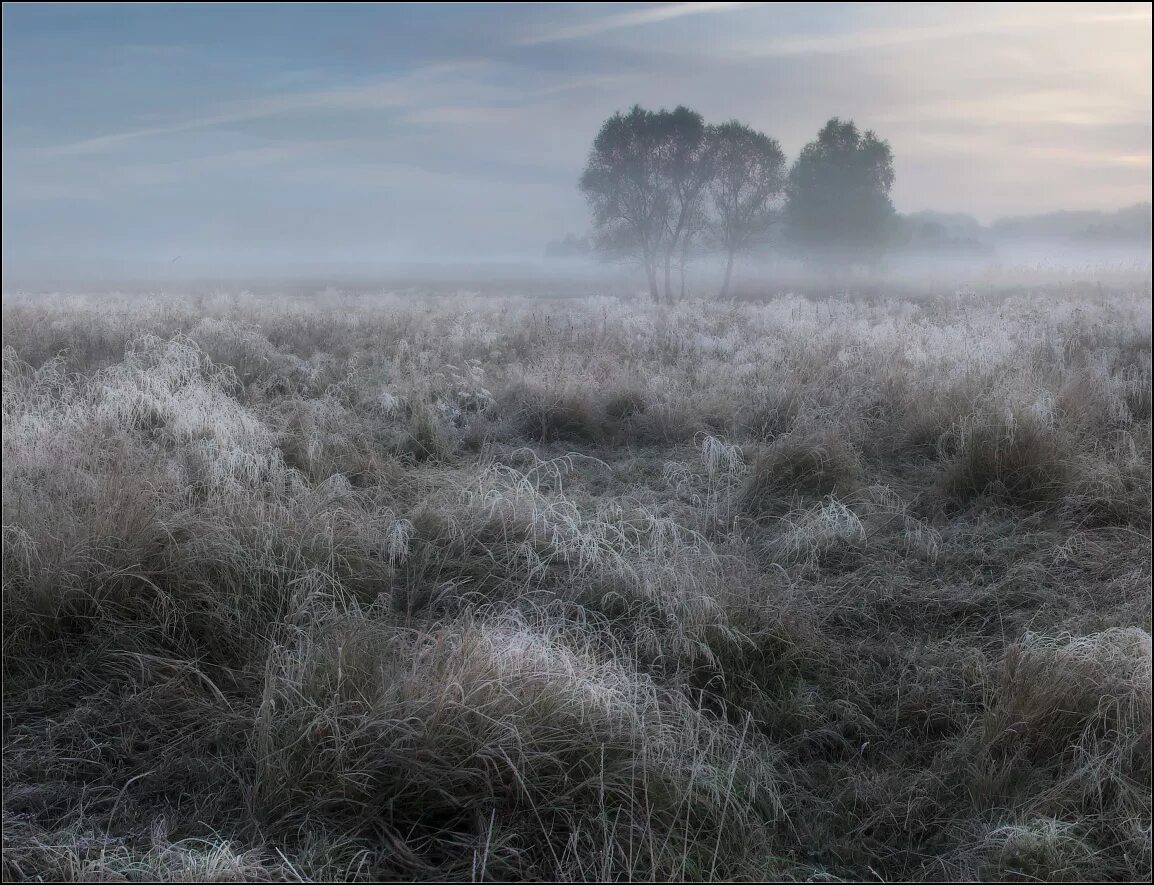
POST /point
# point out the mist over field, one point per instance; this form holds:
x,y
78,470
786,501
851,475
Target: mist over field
x,y
577,442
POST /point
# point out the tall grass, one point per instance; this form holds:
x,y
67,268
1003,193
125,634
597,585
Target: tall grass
x,y
401,587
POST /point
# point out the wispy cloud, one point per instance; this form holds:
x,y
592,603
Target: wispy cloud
x,y
430,95
401,92
958,28
627,20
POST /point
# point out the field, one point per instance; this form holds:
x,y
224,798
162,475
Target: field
x,y
475,586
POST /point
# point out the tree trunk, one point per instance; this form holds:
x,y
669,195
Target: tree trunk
x,y
651,274
668,286
728,275
684,261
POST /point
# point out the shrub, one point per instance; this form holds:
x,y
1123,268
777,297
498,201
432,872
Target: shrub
x,y
798,467
499,739
549,415
620,405
1017,460
1061,695
1039,850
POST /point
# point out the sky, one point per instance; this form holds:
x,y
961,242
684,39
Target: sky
x,y
255,135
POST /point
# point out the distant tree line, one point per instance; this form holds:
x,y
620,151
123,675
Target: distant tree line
x,y
959,234
664,186
570,247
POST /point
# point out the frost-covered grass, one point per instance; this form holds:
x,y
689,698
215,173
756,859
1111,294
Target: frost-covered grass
x,y
471,587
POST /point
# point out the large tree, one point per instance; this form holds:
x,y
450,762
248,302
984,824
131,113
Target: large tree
x,y
644,181
623,184
747,177
688,169
838,208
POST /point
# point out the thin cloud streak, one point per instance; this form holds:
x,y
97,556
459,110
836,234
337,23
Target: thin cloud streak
x,y
388,94
629,20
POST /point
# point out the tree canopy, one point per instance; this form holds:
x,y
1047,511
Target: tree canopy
x,y
838,208
747,177
661,184
625,184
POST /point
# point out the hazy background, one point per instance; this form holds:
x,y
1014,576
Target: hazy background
x,y
172,141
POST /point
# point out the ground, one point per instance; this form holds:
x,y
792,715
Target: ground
x,y
479,586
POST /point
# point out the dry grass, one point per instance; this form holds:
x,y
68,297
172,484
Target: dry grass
x,y
425,588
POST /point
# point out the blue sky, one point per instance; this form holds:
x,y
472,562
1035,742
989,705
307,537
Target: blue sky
x,y
247,135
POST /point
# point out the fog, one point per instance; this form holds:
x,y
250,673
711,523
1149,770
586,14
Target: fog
x,y
173,144
1123,263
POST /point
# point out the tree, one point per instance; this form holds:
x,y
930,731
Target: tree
x,y
747,178
570,247
687,167
644,181
622,182
838,209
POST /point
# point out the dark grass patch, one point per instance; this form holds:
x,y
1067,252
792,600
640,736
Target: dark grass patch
x,y
1018,460
798,467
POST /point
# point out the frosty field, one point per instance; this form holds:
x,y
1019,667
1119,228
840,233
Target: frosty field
x,y
480,586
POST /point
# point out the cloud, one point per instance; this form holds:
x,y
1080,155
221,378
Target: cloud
x,y
401,92
51,192
628,20
958,28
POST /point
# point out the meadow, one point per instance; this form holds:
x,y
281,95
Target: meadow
x,y
475,586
